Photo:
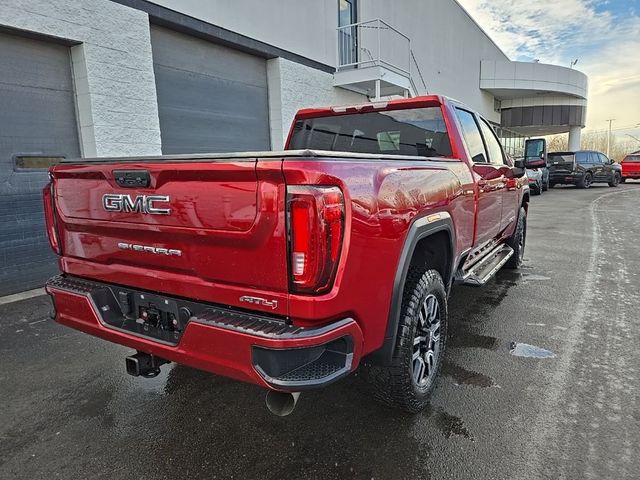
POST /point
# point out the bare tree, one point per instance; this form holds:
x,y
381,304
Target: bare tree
x,y
558,143
595,141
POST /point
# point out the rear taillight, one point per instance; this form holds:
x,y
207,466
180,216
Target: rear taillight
x,y
50,219
316,226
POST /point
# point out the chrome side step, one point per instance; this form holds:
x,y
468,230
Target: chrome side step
x,y
484,270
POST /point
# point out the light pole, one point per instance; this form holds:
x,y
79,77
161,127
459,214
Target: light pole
x,y
611,120
633,136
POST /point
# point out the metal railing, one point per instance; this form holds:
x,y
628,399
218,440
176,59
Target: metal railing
x,y
415,65
373,43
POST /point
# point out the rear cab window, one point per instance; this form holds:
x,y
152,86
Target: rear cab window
x,y
412,131
631,159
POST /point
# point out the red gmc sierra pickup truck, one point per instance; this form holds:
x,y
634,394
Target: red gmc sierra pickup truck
x,y
290,269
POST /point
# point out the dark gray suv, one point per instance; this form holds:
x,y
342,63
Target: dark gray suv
x,y
582,168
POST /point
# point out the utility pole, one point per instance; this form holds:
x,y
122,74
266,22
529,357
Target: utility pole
x,y
611,120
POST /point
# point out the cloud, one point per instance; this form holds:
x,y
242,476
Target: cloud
x,y
605,42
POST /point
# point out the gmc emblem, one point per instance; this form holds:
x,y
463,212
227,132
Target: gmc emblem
x,y
117,202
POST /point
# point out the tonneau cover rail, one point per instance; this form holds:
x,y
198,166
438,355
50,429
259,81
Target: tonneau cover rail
x,y
248,156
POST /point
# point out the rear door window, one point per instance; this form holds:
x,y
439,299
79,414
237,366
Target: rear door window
x,y
472,137
583,158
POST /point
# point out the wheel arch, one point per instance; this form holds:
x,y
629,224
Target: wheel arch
x,y
525,201
426,236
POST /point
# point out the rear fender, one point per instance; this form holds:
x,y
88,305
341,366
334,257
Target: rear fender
x,y
421,228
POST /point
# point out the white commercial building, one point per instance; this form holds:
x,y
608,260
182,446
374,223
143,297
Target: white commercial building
x,y
134,77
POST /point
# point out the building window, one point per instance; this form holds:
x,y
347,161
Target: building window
x,y
348,37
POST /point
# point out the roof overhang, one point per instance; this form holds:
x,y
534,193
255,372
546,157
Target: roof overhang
x,y
510,80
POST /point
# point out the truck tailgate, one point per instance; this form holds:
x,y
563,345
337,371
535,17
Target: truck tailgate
x,y
216,223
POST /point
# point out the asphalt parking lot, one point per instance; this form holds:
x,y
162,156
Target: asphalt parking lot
x,y
69,410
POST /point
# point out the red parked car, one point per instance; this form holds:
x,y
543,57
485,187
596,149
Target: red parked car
x,y
290,269
631,167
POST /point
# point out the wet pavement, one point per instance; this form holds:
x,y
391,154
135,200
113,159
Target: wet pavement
x,y
69,411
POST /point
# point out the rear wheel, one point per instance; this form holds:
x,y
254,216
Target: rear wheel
x,y
586,181
615,181
407,382
518,240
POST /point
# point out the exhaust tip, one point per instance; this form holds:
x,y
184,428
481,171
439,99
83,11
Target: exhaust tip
x,y
281,403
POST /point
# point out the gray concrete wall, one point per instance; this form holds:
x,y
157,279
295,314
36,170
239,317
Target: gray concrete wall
x,y
304,27
448,46
293,86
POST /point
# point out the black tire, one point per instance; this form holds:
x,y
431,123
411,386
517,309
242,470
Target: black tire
x,y
545,186
622,180
551,185
537,190
518,241
616,180
397,384
586,180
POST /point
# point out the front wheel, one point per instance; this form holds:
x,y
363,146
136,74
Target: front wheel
x,y
615,181
622,180
518,240
537,190
409,379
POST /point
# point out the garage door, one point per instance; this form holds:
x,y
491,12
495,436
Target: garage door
x,y
211,98
37,123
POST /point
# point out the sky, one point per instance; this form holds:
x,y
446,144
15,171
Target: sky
x,y
604,35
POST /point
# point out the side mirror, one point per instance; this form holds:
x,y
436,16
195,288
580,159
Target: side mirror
x,y
534,163
535,148
518,169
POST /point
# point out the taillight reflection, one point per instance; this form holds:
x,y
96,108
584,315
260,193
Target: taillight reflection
x,y
50,220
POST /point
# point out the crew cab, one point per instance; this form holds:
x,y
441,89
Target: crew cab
x,y
631,167
290,269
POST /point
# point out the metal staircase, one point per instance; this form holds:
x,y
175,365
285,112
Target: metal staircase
x,y
376,59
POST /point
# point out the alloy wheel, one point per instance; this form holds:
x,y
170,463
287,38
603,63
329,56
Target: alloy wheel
x,y
426,343
522,238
